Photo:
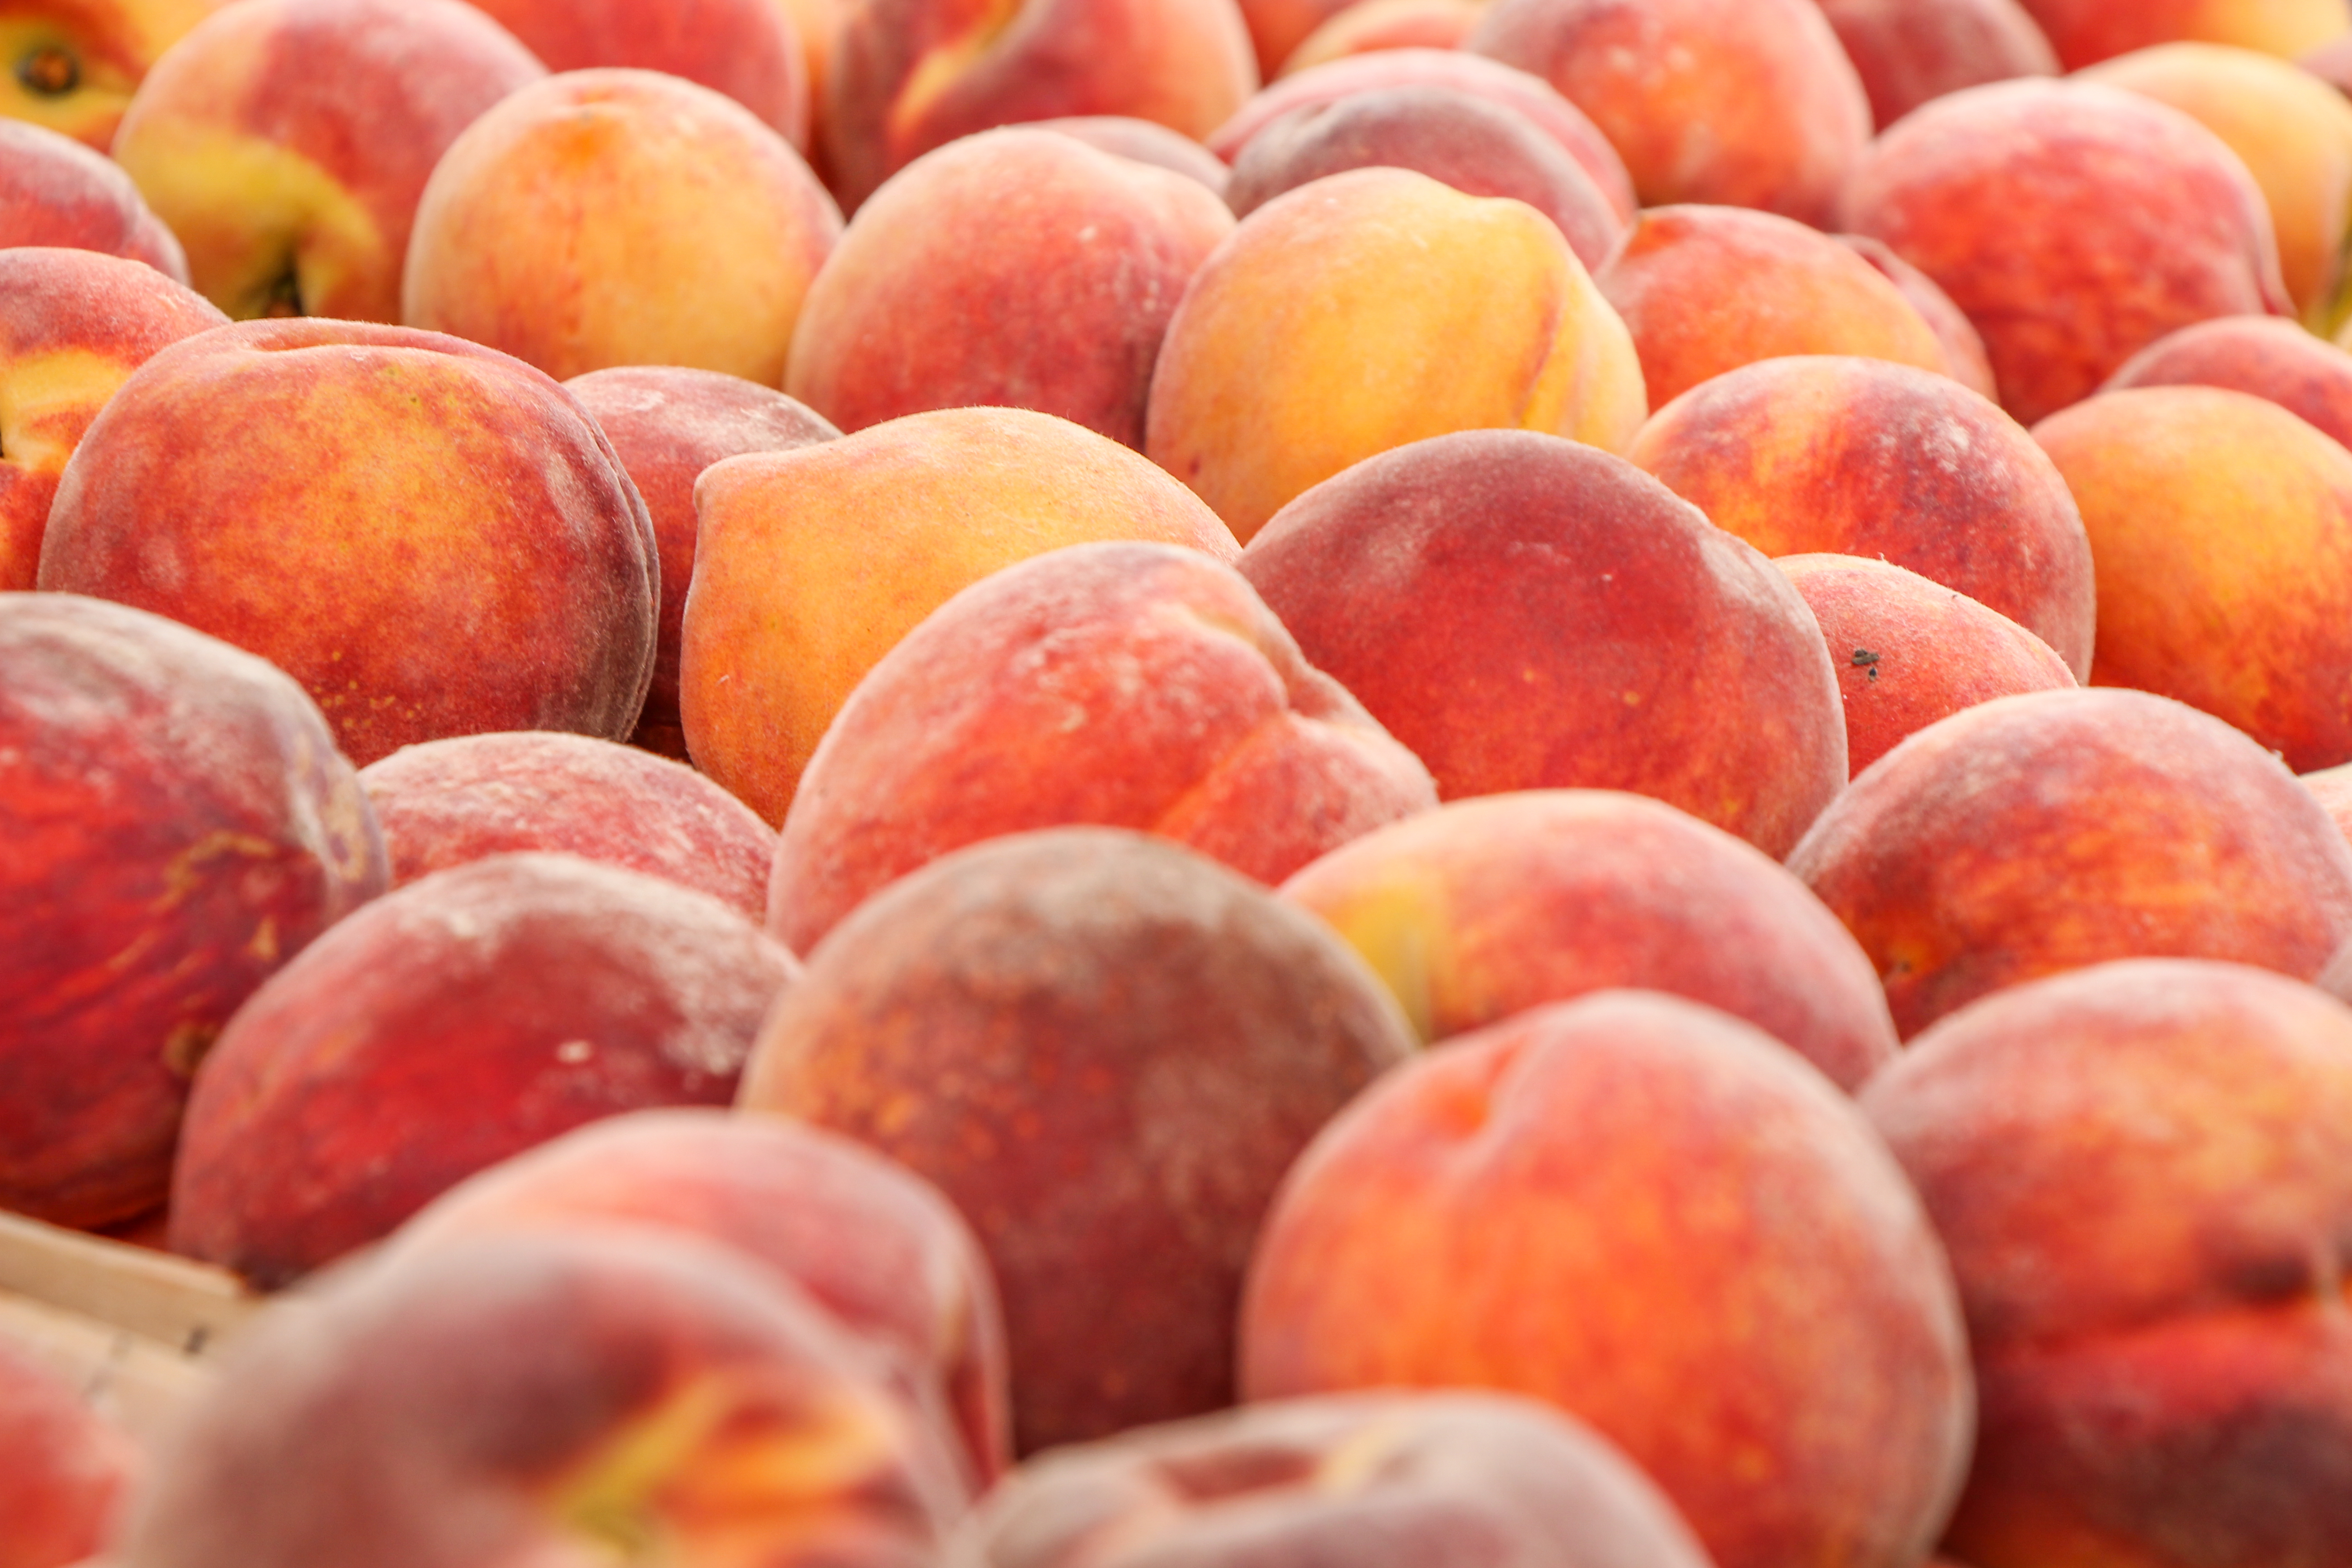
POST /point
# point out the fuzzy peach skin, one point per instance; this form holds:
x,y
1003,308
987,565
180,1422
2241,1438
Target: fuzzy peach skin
x,y
1370,25
71,66
563,226
1369,309
1475,74
1130,685
666,424
55,190
448,803
2086,31
2221,526
64,1470
812,565
1013,268
749,50
74,324
1661,1219
2074,223
1909,651
1964,350
1706,289
1392,1479
549,1400
179,826
2295,132
908,76
2263,356
287,142
432,537
1124,136
469,1016
2033,834
1858,457
1908,51
872,1242
1105,1050
1489,907
1476,145
1525,611
1746,103
2143,1174
2333,788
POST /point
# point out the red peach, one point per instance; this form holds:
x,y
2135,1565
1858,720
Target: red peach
x,y
64,1471
1964,350
2084,31
1365,26
1908,51
55,190
749,49
1124,136
2262,356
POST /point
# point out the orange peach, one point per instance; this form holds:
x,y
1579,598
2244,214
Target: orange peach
x,y
749,49
2295,133
1371,309
71,66
55,190
444,804
1909,651
2033,834
1525,611
2074,223
561,227
287,142
1473,144
1746,103
1368,24
74,324
812,565
1014,268
1489,907
2143,1173
64,1470
2221,527
908,76
666,424
2086,31
1857,456
1706,289
1130,685
1908,51
1661,1219
1964,350
1124,136
2263,356
432,537
1105,1050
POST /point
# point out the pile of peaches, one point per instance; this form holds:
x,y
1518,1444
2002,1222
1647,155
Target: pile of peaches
x,y
1156,783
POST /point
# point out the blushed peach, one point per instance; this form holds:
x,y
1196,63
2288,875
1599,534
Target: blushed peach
x,y
1964,350
56,191
64,1471
2086,31
749,49
2263,356
1366,25
1908,51
1145,140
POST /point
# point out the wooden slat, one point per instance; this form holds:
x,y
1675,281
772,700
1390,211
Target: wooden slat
x,y
134,1382
180,1304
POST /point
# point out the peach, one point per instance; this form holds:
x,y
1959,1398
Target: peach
x,y
1474,145
1475,74
2086,31
1706,289
465,1018
1909,651
873,1244
1746,103
1370,309
71,66
1130,685
1487,908
2033,834
1368,24
2332,786
550,1399
907,76
814,563
1964,350
1524,612
55,190
2221,526
449,803
64,1471
2263,356
1660,1219
179,826
2295,133
2074,223
432,537
1124,136
74,324
287,142
1857,456
2140,1172
666,424
1908,51
1392,1479
1105,1051
749,50
560,227
1014,268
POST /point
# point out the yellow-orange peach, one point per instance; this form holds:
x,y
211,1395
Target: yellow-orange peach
x,y
73,64
2086,31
